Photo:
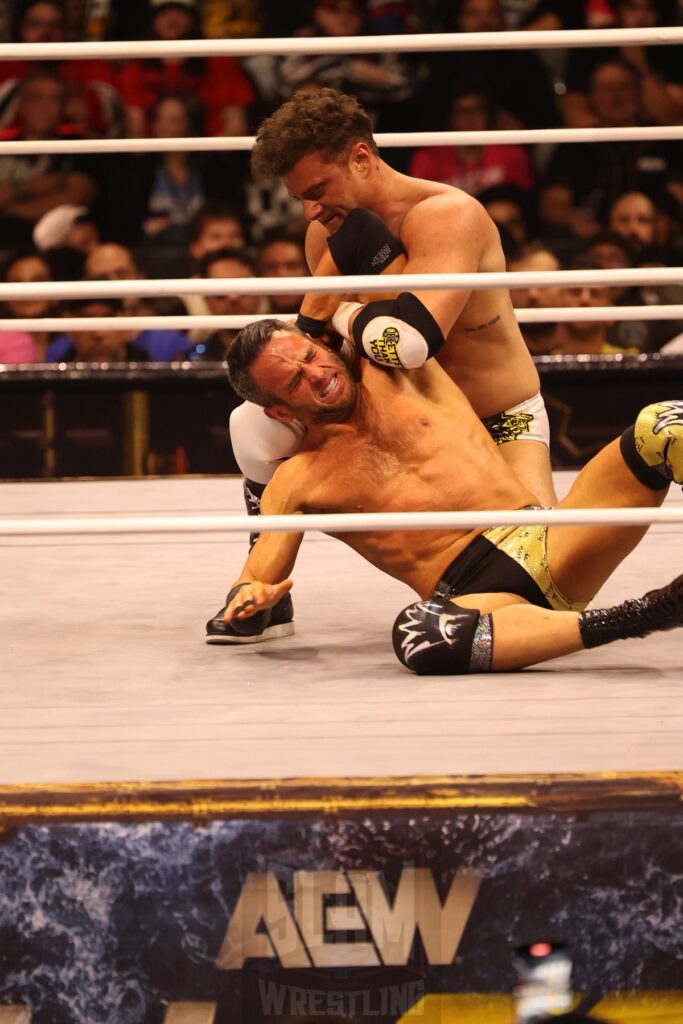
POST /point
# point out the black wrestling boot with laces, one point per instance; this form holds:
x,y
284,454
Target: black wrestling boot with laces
x,y
656,611
270,624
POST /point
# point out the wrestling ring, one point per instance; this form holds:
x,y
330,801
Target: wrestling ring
x,y
117,716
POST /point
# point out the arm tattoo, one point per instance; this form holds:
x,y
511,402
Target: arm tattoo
x,y
481,327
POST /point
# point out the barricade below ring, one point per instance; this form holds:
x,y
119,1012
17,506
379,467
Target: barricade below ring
x,y
72,420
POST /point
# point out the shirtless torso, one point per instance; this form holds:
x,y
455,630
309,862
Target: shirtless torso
x,y
444,230
411,444
386,441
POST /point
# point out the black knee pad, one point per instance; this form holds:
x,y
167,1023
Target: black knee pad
x,y
436,637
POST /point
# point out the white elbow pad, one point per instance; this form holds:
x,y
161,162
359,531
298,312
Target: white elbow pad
x,y
400,333
259,443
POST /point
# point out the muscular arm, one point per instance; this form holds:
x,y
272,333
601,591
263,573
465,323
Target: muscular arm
x,y
440,234
271,560
321,264
446,235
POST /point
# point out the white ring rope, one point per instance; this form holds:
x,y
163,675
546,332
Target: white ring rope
x,y
387,140
422,42
351,283
353,522
558,314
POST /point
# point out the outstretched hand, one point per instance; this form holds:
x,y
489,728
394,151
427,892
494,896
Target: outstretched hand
x,y
255,597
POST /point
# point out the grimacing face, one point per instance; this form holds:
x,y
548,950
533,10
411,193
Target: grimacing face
x,y
329,191
308,381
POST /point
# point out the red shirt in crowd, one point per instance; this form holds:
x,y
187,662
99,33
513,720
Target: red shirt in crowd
x,y
491,166
219,82
92,81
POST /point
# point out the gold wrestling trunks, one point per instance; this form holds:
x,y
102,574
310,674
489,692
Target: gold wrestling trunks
x,y
507,560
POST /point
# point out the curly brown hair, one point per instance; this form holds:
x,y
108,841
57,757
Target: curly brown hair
x,y
326,122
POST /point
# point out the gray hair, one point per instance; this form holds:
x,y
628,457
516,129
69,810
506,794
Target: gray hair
x,y
243,352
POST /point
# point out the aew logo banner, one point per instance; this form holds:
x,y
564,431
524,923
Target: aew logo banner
x,y
304,935
371,918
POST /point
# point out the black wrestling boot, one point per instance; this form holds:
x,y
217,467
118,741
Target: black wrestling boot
x,y
266,625
657,610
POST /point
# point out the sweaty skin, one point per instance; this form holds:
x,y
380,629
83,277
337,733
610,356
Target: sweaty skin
x,y
387,443
443,230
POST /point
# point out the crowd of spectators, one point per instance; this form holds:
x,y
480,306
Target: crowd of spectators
x,y
183,214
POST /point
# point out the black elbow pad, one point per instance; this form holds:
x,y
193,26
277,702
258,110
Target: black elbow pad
x,y
363,244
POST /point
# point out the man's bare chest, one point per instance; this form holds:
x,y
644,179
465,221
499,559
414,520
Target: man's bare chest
x,y
388,467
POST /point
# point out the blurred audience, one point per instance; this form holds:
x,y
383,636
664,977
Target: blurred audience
x,y
556,213
539,337
164,191
112,262
519,82
91,101
609,205
380,81
104,345
507,207
219,83
30,186
216,226
231,19
585,337
218,264
473,168
633,217
610,168
67,227
658,68
24,268
282,255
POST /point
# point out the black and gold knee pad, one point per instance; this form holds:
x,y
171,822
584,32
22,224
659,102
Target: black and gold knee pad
x,y
437,638
653,447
